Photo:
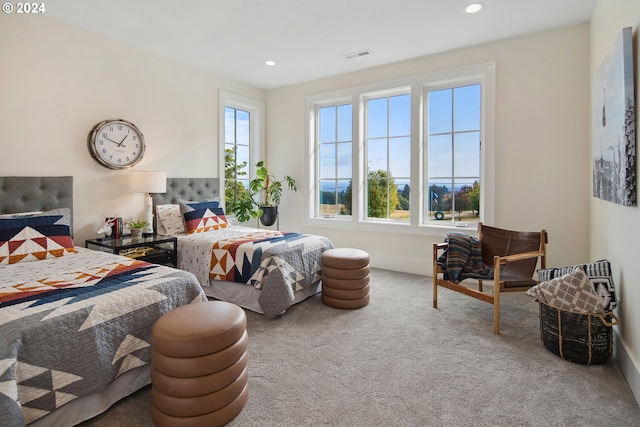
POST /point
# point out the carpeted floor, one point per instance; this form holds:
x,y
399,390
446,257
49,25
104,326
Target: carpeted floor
x,y
400,362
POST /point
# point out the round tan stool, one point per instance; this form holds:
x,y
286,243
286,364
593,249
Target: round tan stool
x,y
199,365
345,278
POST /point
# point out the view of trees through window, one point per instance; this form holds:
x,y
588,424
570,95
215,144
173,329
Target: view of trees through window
x,y
452,136
453,140
236,154
335,134
388,155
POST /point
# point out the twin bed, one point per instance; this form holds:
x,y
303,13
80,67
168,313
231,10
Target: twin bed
x,y
262,270
75,324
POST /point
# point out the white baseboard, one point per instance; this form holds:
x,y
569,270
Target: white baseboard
x,y
629,369
407,265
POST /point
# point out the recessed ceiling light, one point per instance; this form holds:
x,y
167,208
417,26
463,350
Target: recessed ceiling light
x,y
474,7
270,63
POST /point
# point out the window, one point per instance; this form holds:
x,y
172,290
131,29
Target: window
x,y
388,154
370,147
242,133
453,141
236,154
335,146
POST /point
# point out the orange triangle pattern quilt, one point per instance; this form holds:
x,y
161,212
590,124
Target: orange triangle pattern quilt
x,y
70,326
236,258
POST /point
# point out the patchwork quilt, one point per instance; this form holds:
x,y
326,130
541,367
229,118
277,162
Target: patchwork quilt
x,y
70,326
277,263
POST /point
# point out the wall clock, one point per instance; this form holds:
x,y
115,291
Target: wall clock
x,y
116,144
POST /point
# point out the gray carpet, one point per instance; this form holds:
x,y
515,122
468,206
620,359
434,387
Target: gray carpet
x,y
399,362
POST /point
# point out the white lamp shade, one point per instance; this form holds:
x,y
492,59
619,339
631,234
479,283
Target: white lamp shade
x,y
148,182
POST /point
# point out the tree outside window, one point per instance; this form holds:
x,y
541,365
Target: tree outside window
x,y
453,140
363,148
236,154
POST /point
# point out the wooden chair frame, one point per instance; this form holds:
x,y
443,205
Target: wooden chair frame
x,y
499,261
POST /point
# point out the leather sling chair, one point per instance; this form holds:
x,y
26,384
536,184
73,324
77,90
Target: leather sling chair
x,y
513,255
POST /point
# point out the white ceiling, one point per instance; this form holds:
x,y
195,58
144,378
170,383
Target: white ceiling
x,y
309,38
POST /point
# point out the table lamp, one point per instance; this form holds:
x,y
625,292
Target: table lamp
x,y
148,182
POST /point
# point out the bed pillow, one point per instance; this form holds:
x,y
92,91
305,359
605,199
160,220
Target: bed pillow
x,y
20,214
202,216
599,275
573,292
36,237
169,220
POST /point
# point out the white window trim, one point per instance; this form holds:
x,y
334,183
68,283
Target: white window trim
x,y
256,132
484,73
364,97
487,152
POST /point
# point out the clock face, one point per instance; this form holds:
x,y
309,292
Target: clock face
x,y
116,144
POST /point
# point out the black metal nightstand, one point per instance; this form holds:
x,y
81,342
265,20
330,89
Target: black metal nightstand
x,y
152,248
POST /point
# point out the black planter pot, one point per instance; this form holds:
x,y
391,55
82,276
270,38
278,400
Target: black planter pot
x,y
269,215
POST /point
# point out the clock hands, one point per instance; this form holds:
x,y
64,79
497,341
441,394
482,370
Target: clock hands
x,y
120,144
116,142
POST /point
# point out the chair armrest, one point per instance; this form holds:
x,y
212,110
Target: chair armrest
x,y
439,247
518,257
436,248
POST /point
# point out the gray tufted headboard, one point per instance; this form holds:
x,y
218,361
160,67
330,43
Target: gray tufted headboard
x,y
186,189
36,193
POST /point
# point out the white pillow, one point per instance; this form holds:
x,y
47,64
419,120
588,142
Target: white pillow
x,y
169,220
20,214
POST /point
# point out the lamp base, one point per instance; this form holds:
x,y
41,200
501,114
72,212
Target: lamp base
x,y
149,228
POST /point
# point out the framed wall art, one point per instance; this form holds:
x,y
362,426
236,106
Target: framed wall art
x,y
613,124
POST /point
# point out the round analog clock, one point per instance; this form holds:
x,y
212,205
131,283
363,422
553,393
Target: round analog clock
x,y
116,144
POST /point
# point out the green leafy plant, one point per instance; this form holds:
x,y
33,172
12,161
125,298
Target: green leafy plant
x,y
264,190
136,224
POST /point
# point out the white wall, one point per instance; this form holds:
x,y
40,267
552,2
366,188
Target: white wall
x,y
542,144
57,81
615,229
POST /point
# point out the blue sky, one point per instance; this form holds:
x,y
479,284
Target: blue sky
x,y
239,135
388,136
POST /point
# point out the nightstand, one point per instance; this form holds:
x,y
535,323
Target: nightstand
x,y
152,248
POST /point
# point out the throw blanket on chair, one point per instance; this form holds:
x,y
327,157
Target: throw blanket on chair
x,y
463,259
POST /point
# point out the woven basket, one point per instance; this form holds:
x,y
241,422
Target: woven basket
x,y
577,337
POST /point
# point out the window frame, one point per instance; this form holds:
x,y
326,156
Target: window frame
x,y
319,144
365,97
483,74
458,83
256,134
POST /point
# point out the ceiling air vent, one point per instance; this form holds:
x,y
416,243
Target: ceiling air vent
x,y
357,54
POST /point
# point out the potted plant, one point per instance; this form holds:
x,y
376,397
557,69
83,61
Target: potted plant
x,y
136,227
263,197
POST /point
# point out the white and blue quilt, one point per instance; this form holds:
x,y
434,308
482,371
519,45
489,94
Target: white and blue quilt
x,y
70,326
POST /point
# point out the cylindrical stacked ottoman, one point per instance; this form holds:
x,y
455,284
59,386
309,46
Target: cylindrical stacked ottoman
x,y
199,365
345,278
